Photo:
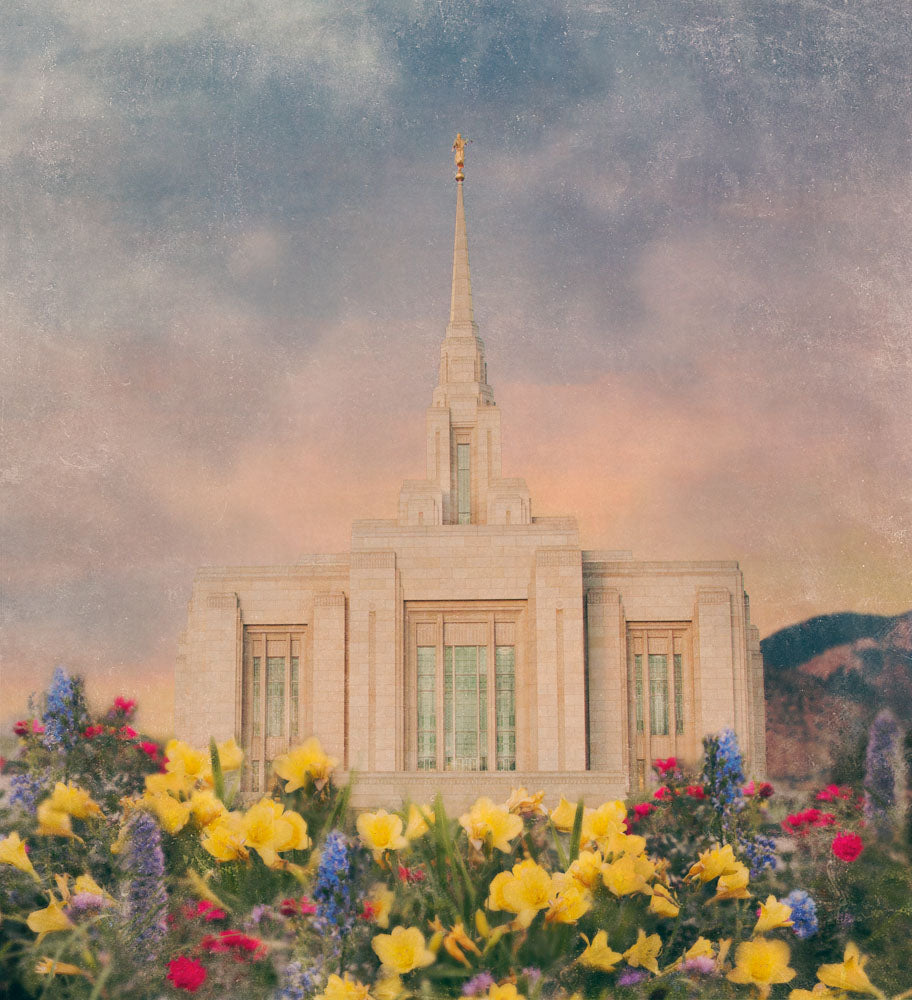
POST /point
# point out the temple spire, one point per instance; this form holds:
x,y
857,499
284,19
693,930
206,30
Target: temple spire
x,y
461,312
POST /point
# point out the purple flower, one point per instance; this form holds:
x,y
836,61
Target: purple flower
x,y
630,977
65,713
532,974
84,904
883,763
703,965
478,984
146,897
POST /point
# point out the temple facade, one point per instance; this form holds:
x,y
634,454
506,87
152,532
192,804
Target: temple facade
x,y
467,645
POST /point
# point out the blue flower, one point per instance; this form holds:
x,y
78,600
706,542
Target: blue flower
x,y
25,791
146,896
64,712
333,890
296,981
723,770
760,851
804,913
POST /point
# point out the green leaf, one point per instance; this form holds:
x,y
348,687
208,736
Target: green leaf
x,y
576,832
217,775
558,846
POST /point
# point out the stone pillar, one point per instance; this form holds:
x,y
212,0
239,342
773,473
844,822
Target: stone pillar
x,y
560,660
608,696
374,689
327,694
757,748
714,654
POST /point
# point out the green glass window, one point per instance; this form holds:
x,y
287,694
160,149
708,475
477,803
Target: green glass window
x,y
463,484
275,695
465,699
638,686
256,696
679,694
505,706
658,694
294,698
427,708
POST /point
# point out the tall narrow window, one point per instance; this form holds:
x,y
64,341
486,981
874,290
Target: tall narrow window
x,y
658,694
505,706
638,684
256,697
463,484
293,722
679,694
427,708
275,695
465,700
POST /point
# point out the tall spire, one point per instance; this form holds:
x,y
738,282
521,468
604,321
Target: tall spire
x,y
461,312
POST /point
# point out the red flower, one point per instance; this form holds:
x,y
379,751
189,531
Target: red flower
x,y
411,875
208,911
125,705
847,846
149,748
662,793
642,809
368,912
235,943
126,733
2,764
90,732
21,728
765,790
832,792
696,791
294,907
664,766
186,974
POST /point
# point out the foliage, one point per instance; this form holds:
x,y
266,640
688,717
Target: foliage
x,y
149,875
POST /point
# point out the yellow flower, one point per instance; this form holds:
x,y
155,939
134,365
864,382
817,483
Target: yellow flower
x,y
403,950
172,815
524,803
381,831
622,877
701,948
562,817
170,783
568,905
181,758
206,807
773,914
73,800
485,820
604,824
523,891
662,903
505,992
762,963
344,988
52,822
586,871
732,886
296,838
49,967
848,974
86,884
387,987
50,919
643,953
224,839
303,762
418,819
819,992
231,756
598,955
12,852
456,940
715,862
268,829
381,903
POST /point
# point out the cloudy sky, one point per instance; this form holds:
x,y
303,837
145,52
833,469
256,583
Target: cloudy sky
x,y
226,239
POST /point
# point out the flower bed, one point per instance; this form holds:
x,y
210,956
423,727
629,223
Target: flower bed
x,y
135,870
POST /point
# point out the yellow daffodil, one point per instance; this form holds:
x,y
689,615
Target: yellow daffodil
x,y
773,914
762,963
403,950
848,974
568,904
54,823
418,819
597,954
12,852
485,819
819,992
563,815
662,903
231,756
713,863
505,992
524,803
169,783
603,824
224,839
701,948
49,967
74,801
381,903
206,807
344,988
172,815
268,829
733,885
642,954
586,871
50,919
304,762
456,940
296,838
623,877
181,758
524,891
381,831
387,987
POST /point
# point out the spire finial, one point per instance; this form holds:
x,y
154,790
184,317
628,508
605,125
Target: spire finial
x,y
461,313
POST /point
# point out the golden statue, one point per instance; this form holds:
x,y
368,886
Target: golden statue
x,y
459,154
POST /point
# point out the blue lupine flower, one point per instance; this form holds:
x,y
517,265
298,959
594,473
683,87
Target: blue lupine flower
x,y
882,762
146,897
723,770
804,913
760,851
25,791
296,981
333,890
64,713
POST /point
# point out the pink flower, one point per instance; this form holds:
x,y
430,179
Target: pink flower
x,y
235,943
149,748
21,728
411,875
186,974
125,705
90,732
662,793
127,733
847,846
696,791
664,766
208,911
368,912
294,907
642,809
832,792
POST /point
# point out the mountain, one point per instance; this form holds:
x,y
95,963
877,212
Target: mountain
x,y
826,679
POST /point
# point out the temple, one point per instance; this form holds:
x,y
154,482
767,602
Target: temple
x,y
466,645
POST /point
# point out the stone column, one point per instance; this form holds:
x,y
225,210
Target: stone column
x,y
608,696
328,675
714,653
